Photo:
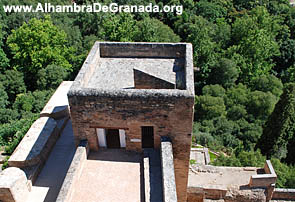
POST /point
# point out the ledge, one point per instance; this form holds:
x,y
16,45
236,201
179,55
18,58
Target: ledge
x,y
36,144
73,173
283,194
264,180
13,185
168,176
57,106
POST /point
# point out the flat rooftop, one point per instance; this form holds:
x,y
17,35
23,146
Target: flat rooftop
x,y
119,73
132,67
209,177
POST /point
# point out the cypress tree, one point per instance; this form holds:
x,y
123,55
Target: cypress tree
x,y
278,133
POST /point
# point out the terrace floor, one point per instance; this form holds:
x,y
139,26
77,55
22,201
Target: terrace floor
x,y
207,176
110,175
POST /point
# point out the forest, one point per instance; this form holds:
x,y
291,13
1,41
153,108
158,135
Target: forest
x,y
244,58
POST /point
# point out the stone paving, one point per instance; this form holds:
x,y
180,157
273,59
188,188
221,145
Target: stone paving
x,y
221,177
110,175
48,184
110,70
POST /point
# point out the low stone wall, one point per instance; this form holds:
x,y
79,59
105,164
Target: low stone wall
x,y
34,149
195,194
264,180
140,49
73,173
168,177
204,151
283,194
13,185
36,144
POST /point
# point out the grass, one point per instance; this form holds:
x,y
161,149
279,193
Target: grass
x,y
192,161
212,156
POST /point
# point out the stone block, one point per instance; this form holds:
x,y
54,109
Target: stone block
x,y
13,185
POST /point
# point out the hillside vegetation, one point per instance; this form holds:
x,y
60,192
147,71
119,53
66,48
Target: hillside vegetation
x,y
244,54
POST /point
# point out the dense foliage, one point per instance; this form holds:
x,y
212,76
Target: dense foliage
x,y
244,56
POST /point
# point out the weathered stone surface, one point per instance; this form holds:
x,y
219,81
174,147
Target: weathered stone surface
x,y
195,194
168,178
73,173
283,194
13,185
57,106
251,195
147,188
266,179
119,73
36,144
169,111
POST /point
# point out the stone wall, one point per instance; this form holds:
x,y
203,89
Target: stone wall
x,y
164,113
143,80
168,177
158,50
36,144
283,194
34,149
73,173
195,194
264,180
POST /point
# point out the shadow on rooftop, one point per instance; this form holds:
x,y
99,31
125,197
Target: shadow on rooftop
x,y
119,155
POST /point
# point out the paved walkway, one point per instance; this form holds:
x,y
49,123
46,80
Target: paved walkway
x,y
48,184
111,175
155,181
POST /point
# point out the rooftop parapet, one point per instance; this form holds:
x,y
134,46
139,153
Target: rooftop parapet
x,y
112,68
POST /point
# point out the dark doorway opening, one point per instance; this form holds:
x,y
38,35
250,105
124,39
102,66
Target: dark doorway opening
x,y
147,136
113,138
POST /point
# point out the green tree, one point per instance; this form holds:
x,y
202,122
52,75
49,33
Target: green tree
x,y
268,83
280,127
3,97
4,61
7,115
208,107
237,94
236,112
261,104
118,27
285,173
13,82
225,73
246,4
50,77
37,44
29,102
153,30
214,90
209,10
255,43
200,32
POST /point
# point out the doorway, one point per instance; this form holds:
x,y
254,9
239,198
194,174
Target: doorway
x,y
147,136
113,138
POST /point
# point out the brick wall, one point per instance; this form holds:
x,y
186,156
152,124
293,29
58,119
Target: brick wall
x,y
170,116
